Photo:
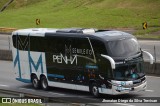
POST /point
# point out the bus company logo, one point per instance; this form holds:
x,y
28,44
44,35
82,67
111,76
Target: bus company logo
x,y
67,58
71,54
6,100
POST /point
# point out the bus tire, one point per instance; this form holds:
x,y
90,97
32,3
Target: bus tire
x,y
44,83
94,90
35,82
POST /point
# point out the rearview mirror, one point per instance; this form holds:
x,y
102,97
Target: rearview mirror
x,y
150,56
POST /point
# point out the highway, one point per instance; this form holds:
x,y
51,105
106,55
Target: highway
x,y
147,45
8,82
5,42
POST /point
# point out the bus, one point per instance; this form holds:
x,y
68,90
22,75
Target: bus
x,y
97,61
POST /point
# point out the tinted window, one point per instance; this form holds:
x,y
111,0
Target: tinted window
x,y
129,72
21,42
37,44
98,46
29,43
55,44
123,48
104,65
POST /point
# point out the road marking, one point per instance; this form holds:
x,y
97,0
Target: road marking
x,y
27,89
146,49
123,104
150,90
55,93
4,85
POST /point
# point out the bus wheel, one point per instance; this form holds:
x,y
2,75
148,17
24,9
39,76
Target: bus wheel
x,y
35,82
44,83
94,90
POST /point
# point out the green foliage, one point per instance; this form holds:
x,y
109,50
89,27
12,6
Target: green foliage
x,y
2,3
82,13
15,104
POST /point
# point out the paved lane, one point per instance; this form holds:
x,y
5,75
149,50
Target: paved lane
x,y
148,45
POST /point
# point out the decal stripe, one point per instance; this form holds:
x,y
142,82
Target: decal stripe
x,y
17,60
92,50
23,80
55,75
36,66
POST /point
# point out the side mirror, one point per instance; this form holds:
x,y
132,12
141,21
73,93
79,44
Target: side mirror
x,y
150,56
113,66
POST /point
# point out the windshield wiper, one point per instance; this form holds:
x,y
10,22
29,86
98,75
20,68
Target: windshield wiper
x,y
133,56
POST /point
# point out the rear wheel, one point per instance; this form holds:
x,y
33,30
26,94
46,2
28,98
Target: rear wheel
x,y
44,83
94,90
35,82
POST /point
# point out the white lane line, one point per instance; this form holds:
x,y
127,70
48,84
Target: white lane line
x,y
27,89
56,93
150,90
123,104
4,85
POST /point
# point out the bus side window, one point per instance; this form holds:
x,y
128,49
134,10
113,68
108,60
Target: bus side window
x,y
37,44
21,42
54,44
98,47
82,48
103,64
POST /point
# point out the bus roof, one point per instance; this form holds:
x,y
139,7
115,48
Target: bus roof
x,y
113,35
106,35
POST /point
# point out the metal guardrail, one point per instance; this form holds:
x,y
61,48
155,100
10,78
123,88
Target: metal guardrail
x,y
6,55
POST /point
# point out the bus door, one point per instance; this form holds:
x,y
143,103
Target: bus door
x,y
91,71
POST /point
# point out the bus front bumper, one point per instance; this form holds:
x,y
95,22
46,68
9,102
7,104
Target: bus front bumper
x,y
117,90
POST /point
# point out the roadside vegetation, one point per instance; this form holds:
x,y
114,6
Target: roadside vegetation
x,y
104,14
15,104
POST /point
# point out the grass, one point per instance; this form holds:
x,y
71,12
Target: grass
x,y
3,2
15,104
83,13
148,36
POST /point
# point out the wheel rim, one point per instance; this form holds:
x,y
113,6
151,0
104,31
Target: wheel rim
x,y
35,83
44,84
95,90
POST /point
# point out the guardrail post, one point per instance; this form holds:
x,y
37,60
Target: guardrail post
x,y
9,42
155,54
45,101
155,58
21,95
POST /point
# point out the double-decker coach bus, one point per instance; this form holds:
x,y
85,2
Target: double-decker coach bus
x,y
98,61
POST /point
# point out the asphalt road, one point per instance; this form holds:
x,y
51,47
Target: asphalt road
x,y
147,45
8,82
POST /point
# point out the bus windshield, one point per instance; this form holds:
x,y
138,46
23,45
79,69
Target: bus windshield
x,y
129,72
123,48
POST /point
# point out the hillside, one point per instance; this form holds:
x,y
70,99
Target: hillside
x,y
19,3
83,13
